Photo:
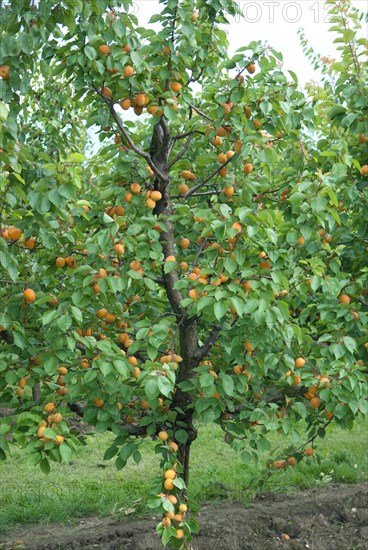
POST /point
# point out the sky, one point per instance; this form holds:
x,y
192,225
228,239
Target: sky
x,y
275,22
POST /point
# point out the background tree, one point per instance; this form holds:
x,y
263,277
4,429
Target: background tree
x,y
184,271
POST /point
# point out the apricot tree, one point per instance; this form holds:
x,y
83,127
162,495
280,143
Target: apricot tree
x,y
183,235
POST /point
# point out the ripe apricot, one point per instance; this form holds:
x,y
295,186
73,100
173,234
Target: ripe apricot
x,y
248,168
168,484
300,241
84,363
187,175
125,104
195,16
344,299
170,474
110,317
56,418
251,68
166,522
59,439
118,249
106,92
238,145
315,402
228,191
135,188
136,372
173,447
104,49
185,243
30,244
309,451
183,508
217,141
98,402
101,313
248,286
176,87
40,431
280,464
14,233
128,71
150,203
163,436
183,188
364,170
193,294
170,258
299,362
49,407
179,534
141,100
248,346
29,295
5,72
156,196
70,262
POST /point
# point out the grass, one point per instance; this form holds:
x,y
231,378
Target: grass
x,y
90,486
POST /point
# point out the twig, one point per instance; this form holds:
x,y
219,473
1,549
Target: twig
x,y
199,185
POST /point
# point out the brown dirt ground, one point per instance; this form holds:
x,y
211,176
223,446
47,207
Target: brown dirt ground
x,y
333,517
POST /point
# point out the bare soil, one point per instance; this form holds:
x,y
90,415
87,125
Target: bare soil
x,y
333,517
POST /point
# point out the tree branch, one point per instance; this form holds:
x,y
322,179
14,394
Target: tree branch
x,y
132,430
206,348
201,113
140,152
183,150
206,180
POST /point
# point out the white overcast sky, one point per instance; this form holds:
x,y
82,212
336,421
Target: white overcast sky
x,y
277,22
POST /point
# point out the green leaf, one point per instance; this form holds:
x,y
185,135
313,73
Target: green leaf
x,y
220,309
227,384
151,388
250,306
45,466
65,452
350,343
238,305
164,385
181,436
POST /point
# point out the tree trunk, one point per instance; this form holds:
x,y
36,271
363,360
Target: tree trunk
x,y
183,400
187,328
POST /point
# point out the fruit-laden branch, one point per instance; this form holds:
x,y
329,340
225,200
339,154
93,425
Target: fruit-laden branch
x,y
163,177
206,180
140,152
183,150
278,397
131,430
207,346
201,113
